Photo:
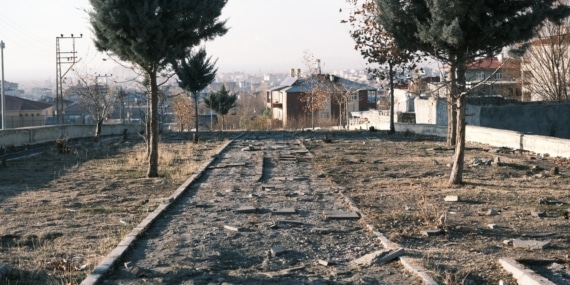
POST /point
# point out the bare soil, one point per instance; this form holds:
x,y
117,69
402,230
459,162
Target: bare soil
x,y
62,213
400,183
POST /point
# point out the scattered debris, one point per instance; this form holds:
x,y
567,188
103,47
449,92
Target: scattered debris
x,y
276,250
537,213
431,233
378,257
284,211
246,209
530,244
232,228
326,262
490,212
451,199
537,235
282,272
341,215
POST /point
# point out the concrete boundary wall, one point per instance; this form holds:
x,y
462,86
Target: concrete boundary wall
x,y
493,137
498,138
43,134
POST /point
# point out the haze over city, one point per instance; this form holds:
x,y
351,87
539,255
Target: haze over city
x,y
264,36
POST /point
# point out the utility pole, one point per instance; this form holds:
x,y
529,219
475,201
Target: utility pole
x,y
63,58
97,76
2,88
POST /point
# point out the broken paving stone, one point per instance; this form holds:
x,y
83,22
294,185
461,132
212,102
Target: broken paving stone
x,y
491,212
277,250
246,209
530,244
451,198
232,228
292,222
539,214
431,233
326,262
378,257
284,211
321,230
341,215
537,235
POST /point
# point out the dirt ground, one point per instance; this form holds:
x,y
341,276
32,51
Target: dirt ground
x,y
62,213
400,184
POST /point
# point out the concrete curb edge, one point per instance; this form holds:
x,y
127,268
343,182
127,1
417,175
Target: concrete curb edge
x,y
523,275
104,266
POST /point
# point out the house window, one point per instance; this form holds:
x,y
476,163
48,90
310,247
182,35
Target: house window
x,y
498,75
480,75
353,97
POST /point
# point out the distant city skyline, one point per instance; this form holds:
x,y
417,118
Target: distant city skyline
x,y
265,36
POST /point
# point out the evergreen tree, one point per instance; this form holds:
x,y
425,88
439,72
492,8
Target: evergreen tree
x,y
195,73
151,34
458,31
221,102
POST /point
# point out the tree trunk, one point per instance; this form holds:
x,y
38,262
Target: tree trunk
x,y
392,126
459,156
195,96
98,127
451,108
456,176
153,155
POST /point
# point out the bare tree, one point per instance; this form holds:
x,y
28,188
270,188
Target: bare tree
x,y
546,64
98,99
316,98
183,107
384,57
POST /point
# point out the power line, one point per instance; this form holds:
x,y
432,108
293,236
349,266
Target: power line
x,y
63,58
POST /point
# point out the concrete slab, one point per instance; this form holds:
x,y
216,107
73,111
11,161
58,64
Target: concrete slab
x,y
325,262
378,257
284,211
530,244
291,222
539,214
431,233
451,198
341,215
232,228
246,210
321,230
523,275
277,250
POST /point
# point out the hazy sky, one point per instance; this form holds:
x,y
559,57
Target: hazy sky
x,y
264,36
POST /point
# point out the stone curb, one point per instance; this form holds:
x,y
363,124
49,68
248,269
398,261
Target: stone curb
x,y
408,264
523,275
99,272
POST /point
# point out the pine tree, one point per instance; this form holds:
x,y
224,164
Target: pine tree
x,y
151,34
458,31
195,73
221,102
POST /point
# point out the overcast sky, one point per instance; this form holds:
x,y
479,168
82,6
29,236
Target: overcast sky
x,y
264,36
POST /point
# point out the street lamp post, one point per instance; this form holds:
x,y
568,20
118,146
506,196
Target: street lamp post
x,y
2,88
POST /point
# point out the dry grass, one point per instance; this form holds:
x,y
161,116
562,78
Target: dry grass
x,y
63,213
399,182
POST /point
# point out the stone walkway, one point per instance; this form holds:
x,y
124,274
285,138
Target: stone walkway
x,y
259,214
